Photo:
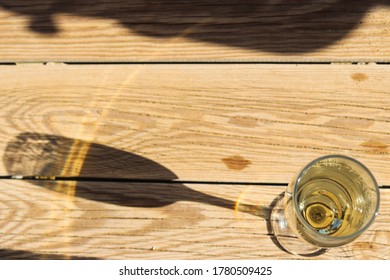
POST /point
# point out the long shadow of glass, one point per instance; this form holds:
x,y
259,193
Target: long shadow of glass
x,y
281,26
51,155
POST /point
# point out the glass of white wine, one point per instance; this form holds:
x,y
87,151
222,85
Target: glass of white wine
x,y
329,203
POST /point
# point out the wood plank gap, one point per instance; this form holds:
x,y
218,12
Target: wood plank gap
x,y
201,62
144,181
12,63
135,180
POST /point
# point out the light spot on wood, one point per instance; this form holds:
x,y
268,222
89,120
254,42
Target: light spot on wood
x,y
359,77
236,162
374,144
350,123
244,121
382,237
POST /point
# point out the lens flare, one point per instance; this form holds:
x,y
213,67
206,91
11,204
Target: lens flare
x,y
255,210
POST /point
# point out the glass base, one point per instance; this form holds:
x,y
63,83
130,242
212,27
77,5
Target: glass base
x,y
286,239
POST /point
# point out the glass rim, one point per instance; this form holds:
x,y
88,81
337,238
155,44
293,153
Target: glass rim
x,y
307,225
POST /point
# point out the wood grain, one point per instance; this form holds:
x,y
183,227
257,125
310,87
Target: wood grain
x,y
250,123
201,122
187,222
160,30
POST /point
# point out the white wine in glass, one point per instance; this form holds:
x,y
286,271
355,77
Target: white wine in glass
x,y
330,202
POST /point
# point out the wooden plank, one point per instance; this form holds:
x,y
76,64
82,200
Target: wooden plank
x,y
129,221
258,123
138,30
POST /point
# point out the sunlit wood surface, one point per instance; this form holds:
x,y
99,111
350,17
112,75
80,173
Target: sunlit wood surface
x,y
165,106
246,123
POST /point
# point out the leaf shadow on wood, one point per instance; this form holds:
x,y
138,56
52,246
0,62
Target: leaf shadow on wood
x,y
280,26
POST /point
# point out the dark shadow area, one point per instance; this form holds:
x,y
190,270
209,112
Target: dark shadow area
x,y
280,26
28,255
51,155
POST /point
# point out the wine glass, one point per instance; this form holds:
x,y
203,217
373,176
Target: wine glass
x,y
329,203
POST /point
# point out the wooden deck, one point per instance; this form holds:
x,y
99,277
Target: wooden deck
x,y
218,97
